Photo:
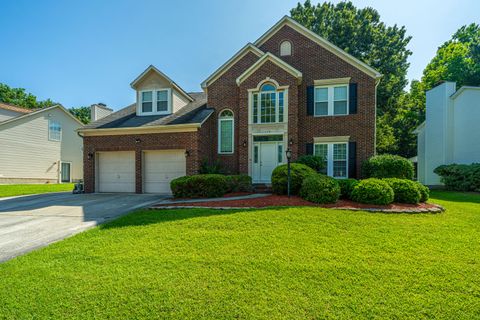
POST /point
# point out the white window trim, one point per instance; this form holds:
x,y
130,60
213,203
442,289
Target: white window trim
x,y
154,102
277,106
330,158
331,91
50,122
220,120
70,174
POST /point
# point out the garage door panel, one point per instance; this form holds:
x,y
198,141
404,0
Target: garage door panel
x,y
116,172
161,167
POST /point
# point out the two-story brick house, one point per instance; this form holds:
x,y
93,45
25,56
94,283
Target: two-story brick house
x,y
289,89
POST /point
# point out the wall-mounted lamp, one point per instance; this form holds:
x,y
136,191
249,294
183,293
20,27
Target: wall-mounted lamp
x,y
290,142
187,153
137,140
244,144
90,156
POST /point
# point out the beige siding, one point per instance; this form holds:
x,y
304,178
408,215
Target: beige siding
x,y
8,114
178,101
27,153
97,112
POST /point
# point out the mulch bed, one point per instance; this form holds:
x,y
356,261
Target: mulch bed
x,y
276,201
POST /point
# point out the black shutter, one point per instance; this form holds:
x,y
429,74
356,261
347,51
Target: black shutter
x,y
352,108
352,159
309,150
310,100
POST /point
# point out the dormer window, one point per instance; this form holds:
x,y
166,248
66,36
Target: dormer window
x,y
155,102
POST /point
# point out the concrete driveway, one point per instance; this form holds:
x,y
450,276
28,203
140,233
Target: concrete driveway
x,y
31,222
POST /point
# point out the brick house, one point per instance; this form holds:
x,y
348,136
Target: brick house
x,y
289,89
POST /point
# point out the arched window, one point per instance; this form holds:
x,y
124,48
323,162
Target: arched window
x,y
268,104
286,48
225,132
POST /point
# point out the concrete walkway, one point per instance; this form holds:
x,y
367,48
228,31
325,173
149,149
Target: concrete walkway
x,y
30,222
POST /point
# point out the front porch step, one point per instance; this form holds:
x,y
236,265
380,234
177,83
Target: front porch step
x,y
262,187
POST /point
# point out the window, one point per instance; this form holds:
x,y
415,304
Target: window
x,y
155,101
54,130
225,132
280,153
331,100
268,105
336,158
286,48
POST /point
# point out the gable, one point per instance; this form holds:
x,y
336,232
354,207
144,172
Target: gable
x,y
268,57
308,34
41,111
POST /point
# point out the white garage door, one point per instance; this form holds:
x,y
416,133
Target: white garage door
x,y
160,167
116,171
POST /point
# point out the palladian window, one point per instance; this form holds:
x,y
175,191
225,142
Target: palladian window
x,y
268,105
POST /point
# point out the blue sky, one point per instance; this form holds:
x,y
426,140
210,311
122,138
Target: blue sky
x,y
82,52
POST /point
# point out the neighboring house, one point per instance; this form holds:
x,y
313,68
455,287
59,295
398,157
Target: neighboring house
x,y
39,146
289,89
450,133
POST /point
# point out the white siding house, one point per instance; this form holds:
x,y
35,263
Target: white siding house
x,y
450,133
40,147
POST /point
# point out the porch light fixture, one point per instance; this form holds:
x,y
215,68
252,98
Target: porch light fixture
x,y
244,144
187,153
290,142
288,153
90,156
137,140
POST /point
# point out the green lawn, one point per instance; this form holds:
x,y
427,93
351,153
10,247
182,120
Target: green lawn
x,y
9,190
292,263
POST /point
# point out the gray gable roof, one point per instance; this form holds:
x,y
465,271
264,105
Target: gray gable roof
x,y
194,112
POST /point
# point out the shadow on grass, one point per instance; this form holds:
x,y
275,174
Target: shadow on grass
x,y
454,196
146,217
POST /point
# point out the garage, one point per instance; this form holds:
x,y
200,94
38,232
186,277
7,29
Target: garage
x,y
116,171
160,167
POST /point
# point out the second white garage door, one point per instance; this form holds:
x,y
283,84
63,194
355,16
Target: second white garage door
x,y
116,171
160,167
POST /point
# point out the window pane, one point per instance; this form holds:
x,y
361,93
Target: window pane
x,y
268,87
162,105
321,94
340,169
54,131
340,151
340,160
321,150
321,108
147,106
226,135
340,107
162,95
280,153
255,108
226,114
280,106
255,154
147,96
267,107
340,93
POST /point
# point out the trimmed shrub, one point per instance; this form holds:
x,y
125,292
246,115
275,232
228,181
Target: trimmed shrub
x,y
199,186
424,192
298,172
314,162
388,166
346,187
320,189
239,183
405,191
373,191
460,177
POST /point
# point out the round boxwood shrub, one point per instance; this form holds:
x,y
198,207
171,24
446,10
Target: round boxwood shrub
x,y
388,166
373,191
405,191
320,189
346,187
298,172
199,186
315,162
239,183
424,192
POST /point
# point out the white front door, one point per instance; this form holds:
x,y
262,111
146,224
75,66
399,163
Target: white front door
x,y
265,159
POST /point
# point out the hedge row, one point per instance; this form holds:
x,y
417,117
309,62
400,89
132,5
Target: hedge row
x,y
209,185
460,177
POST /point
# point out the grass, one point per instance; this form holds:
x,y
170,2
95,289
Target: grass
x,y
10,190
291,263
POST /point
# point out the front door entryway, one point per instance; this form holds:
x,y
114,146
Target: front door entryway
x,y
65,172
267,156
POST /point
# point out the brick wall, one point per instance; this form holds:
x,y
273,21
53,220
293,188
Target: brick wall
x,y
157,141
